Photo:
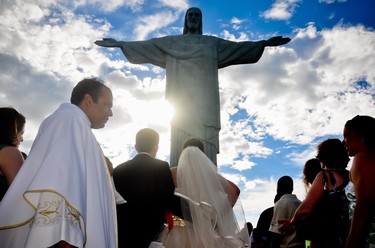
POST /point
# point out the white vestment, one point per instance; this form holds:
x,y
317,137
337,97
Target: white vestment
x,y
63,190
192,85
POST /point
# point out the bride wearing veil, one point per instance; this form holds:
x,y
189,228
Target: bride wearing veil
x,y
211,218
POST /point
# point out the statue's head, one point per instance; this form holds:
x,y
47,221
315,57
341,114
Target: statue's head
x,y
193,21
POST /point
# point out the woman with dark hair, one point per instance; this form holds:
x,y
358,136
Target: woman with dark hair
x,y
323,215
12,127
310,170
359,141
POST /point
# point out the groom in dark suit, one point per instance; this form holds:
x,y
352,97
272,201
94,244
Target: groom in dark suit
x,y
147,186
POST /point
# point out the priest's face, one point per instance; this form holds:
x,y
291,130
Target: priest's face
x,y
193,18
100,110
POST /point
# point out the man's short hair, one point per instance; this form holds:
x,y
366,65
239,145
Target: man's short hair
x,y
146,139
194,142
91,86
285,185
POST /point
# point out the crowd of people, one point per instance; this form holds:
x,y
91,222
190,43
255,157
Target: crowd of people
x,y
67,194
339,208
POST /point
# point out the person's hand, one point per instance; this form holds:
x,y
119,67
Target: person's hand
x,y
107,42
286,226
277,41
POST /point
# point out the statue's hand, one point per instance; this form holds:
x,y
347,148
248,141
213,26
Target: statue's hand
x,y
277,41
107,42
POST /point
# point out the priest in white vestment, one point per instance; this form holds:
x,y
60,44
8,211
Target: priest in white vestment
x,y
63,196
192,61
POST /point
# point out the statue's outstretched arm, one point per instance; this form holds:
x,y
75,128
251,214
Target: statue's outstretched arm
x,y
108,42
277,41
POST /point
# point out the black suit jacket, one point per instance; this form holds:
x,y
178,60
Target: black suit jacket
x,y
147,186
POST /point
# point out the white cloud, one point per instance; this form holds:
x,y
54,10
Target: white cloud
x,y
236,23
228,36
108,5
181,5
297,94
140,21
235,20
332,1
61,40
309,32
151,23
313,81
281,10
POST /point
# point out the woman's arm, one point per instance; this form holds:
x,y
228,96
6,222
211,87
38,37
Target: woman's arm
x,y
308,205
174,175
233,192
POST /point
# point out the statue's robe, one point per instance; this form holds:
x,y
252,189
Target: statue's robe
x,y
192,86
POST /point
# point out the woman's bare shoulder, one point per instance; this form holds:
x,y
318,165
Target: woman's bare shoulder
x,y
10,153
10,150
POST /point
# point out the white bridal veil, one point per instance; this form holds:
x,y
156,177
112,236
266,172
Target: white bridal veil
x,y
210,219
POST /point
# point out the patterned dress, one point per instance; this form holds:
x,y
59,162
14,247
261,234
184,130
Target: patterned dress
x,y
349,190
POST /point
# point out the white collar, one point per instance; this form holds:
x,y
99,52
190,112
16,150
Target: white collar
x,y
144,153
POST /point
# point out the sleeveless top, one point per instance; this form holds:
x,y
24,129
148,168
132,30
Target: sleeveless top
x,y
336,207
328,225
350,194
3,181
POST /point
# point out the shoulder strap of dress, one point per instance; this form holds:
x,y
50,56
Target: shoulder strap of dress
x,y
324,180
345,174
3,145
331,177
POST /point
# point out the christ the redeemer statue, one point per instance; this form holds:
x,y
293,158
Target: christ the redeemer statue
x,y
192,61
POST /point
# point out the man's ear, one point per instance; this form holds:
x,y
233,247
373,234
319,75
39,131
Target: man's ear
x,y
87,100
155,149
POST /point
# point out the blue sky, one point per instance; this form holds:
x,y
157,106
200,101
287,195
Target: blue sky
x,y
273,113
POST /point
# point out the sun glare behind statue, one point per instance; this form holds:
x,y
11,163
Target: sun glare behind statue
x,y
157,115
118,138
